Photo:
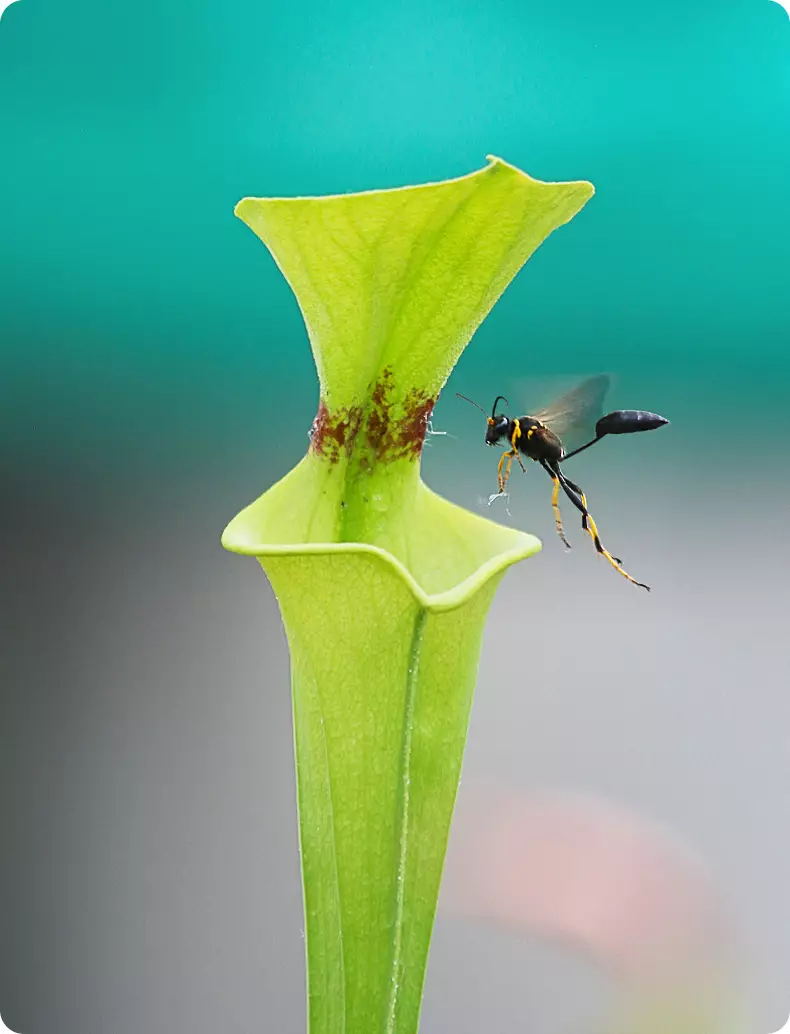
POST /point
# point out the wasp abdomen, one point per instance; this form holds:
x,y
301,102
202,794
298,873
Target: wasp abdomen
x,y
627,421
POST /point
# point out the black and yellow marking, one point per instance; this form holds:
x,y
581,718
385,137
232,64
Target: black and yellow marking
x,y
509,456
502,481
539,438
579,500
556,505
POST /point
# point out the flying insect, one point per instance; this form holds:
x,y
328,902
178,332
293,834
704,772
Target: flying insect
x,y
540,438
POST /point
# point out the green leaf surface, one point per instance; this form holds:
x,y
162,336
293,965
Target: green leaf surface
x,y
383,586
404,277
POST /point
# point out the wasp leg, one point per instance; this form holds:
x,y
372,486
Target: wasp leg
x,y
577,497
503,478
567,483
555,503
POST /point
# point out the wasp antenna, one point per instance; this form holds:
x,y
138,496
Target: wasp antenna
x,y
497,399
460,396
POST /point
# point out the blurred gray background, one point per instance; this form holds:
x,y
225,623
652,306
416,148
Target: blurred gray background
x,y
150,872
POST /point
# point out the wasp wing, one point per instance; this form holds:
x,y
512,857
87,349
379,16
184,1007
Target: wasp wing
x,y
572,417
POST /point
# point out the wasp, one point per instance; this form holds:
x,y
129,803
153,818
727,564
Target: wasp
x,y
540,438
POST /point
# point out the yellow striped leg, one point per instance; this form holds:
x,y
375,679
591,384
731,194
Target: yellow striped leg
x,y
556,505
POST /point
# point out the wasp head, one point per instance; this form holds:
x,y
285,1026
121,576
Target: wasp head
x,y
498,424
497,428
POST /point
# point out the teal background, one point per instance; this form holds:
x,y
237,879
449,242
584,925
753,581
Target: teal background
x,y
156,376
143,325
